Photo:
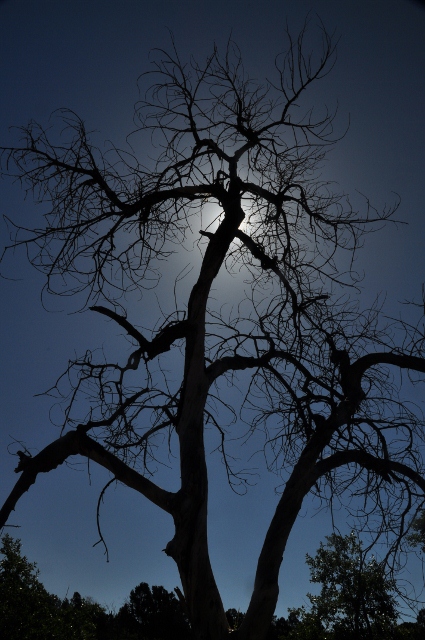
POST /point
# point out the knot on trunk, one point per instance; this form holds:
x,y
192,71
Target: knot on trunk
x,y
171,549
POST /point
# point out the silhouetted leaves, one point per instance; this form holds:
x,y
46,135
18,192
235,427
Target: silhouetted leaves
x,y
29,612
357,598
152,613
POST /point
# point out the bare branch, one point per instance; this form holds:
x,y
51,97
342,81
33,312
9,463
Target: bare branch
x,y
383,467
73,443
243,160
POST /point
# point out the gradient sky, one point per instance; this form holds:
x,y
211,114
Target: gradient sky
x,y
87,55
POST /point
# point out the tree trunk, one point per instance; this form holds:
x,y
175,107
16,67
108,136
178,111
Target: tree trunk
x,y
266,587
189,549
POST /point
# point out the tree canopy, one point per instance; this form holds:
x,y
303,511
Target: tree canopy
x,y
154,613
356,601
417,535
29,612
26,609
230,169
357,598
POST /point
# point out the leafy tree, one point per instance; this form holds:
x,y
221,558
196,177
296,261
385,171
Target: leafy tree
x,y
234,618
409,631
356,600
279,627
305,625
153,613
317,382
29,612
290,626
417,536
421,619
85,619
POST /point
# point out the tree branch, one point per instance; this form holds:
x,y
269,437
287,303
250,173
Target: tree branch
x,y
383,467
125,474
403,361
74,443
124,323
190,192
240,363
268,263
162,341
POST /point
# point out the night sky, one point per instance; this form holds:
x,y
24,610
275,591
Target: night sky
x,y
87,55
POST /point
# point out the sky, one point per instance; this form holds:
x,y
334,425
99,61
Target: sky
x,y
87,56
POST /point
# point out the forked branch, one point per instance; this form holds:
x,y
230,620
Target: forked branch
x,y
78,443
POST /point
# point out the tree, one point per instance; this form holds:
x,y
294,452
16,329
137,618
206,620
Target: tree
x,y
153,613
29,612
277,628
85,619
315,371
305,626
417,536
357,599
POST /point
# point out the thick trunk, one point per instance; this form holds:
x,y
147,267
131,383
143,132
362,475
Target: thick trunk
x,y
189,549
266,587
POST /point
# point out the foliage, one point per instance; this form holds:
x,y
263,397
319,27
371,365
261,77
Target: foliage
x,y
26,609
234,618
357,597
235,189
29,612
83,618
277,629
409,631
417,536
421,619
152,613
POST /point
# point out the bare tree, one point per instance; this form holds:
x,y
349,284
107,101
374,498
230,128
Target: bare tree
x,y
319,394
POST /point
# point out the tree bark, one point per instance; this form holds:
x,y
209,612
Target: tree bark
x,y
266,588
189,547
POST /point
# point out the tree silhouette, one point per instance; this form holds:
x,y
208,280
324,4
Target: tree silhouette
x,y
29,612
417,536
152,613
26,609
315,372
357,598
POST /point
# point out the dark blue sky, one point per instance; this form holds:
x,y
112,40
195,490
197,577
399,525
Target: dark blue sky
x,y
87,56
